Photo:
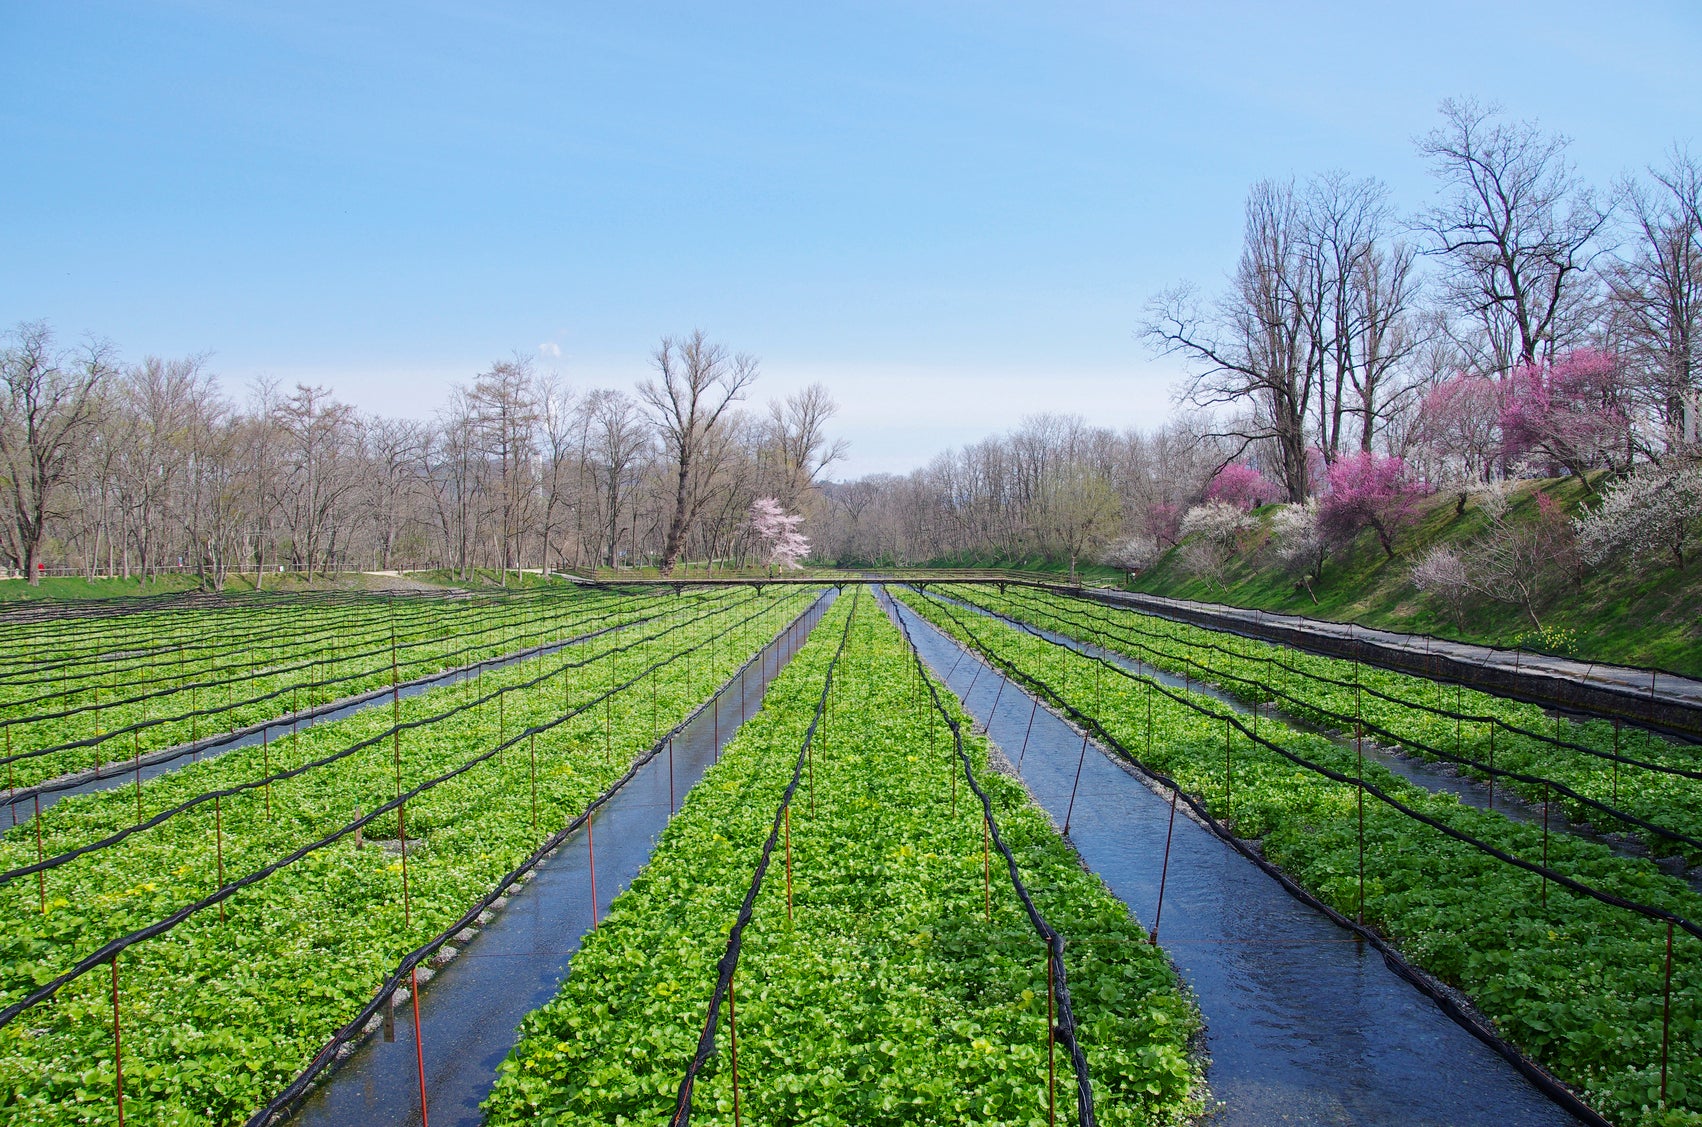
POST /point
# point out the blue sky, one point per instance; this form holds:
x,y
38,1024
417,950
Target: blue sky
x,y
951,213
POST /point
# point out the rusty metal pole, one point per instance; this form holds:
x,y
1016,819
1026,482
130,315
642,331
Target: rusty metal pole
x,y
788,817
1492,764
987,867
534,755
733,1035
1081,759
1666,1017
1616,761
1547,791
1051,1046
40,855
1359,743
1228,778
219,847
1164,869
118,1051
1027,732
1149,720
136,744
419,1042
591,855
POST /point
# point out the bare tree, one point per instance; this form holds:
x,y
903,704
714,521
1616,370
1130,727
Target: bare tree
x,y
1517,233
505,417
557,408
1252,350
1358,307
47,405
394,452
699,381
798,436
1657,289
616,445
318,434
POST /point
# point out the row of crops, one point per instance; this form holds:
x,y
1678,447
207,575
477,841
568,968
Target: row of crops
x,y
1584,958
209,930
80,694
1594,772
854,918
833,930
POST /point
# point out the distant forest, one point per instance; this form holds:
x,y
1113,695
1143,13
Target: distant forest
x,y
1525,323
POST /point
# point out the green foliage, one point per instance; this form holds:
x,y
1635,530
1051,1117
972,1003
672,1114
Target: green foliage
x,y
1575,983
888,998
1629,615
219,1015
168,662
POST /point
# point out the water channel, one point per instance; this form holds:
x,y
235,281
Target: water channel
x,y
471,1010
1304,1024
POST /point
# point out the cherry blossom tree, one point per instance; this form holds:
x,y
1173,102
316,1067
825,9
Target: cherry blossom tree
x,y
1242,486
1571,412
1299,543
1444,574
1514,560
1134,554
1367,491
777,530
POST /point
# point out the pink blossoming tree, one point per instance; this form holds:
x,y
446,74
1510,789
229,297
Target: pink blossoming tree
x,y
1367,491
1571,412
1242,486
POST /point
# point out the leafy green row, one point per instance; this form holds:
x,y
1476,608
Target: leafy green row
x,y
51,666
1576,984
888,996
218,1014
1256,674
304,680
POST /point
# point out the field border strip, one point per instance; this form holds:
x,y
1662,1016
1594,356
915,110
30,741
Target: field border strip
x,y
1445,713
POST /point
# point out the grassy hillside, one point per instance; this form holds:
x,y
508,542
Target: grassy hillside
x,y
1619,613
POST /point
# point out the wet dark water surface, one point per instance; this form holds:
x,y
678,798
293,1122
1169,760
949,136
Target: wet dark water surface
x,y
471,1010
1305,1025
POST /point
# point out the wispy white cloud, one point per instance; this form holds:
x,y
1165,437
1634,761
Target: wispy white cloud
x,y
551,349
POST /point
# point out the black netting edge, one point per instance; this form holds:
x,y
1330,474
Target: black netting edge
x,y
1066,1017
280,1106
117,946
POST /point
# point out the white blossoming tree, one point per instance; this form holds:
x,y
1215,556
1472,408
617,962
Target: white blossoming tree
x,y
784,547
1211,535
1654,513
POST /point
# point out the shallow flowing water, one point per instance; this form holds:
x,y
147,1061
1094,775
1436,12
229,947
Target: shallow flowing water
x,y
471,1010
1304,1024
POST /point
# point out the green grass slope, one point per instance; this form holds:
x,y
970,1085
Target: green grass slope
x,y
1619,612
